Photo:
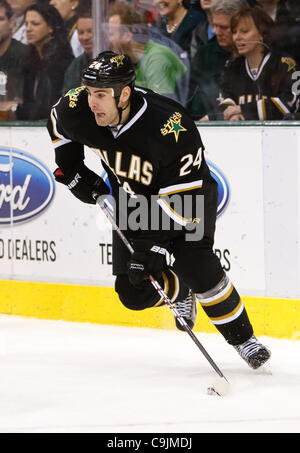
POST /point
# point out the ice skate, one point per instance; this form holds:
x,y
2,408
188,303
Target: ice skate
x,y
187,308
253,352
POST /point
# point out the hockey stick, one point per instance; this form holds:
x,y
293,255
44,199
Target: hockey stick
x,y
220,386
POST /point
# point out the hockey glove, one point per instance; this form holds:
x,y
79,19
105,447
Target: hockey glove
x,y
148,258
82,182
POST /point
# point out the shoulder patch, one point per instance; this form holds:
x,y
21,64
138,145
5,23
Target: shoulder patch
x,y
173,126
73,95
290,62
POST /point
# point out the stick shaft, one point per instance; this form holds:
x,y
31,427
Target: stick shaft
x,y
156,285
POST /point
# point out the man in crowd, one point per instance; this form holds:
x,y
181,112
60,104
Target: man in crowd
x,y
19,7
203,32
85,35
13,59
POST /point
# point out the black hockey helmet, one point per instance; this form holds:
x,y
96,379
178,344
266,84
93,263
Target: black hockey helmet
x,y
110,70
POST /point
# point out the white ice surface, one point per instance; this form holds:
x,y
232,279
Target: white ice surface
x,y
70,377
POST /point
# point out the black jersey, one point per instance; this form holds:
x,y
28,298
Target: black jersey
x,y
158,151
264,94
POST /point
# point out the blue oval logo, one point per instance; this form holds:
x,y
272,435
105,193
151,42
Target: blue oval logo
x,y
223,187
26,186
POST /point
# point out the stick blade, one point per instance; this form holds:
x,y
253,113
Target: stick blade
x,y
219,387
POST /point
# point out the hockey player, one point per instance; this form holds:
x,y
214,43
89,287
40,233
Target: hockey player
x,y
150,146
258,85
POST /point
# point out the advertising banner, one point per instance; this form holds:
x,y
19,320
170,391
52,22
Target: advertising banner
x,y
45,233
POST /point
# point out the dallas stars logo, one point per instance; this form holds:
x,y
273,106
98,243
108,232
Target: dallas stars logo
x,y
73,95
176,128
290,62
118,60
173,126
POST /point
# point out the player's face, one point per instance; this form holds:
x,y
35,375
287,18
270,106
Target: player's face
x,y
6,26
38,32
247,37
221,23
85,34
66,8
103,106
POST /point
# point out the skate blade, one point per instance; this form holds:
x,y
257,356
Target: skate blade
x,y
265,369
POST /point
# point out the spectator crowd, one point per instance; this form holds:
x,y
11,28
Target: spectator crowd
x,y
225,60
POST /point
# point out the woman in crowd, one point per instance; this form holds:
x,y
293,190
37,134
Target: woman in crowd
x,y
178,21
258,85
68,11
49,56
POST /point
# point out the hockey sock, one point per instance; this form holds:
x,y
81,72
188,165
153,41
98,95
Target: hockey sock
x,y
226,310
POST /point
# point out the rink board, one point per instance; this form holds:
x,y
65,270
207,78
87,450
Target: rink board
x,y
55,252
277,318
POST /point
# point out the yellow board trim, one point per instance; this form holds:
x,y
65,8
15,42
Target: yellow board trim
x,y
279,318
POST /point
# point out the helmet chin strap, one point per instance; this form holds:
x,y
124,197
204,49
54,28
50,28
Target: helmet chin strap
x,y
121,110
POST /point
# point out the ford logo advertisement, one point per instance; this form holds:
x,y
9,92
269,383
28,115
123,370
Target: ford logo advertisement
x,y
223,187
26,186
